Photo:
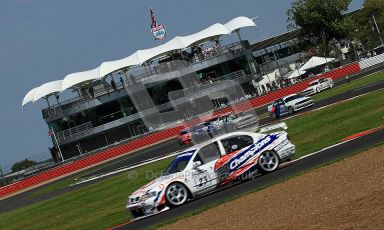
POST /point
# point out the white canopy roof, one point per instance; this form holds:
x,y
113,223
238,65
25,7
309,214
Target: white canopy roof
x,y
295,73
238,23
29,97
47,89
80,77
138,58
176,43
214,30
316,61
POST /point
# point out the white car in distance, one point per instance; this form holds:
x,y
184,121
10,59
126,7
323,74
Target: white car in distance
x,y
289,104
317,86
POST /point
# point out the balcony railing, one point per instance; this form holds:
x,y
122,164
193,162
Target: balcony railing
x,y
73,132
147,72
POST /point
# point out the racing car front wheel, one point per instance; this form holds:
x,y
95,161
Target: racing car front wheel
x,y
176,194
268,161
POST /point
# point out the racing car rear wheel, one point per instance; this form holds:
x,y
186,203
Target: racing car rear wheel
x,y
268,161
290,110
176,194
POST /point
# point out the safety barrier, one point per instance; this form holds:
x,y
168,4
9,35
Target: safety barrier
x,y
368,62
158,136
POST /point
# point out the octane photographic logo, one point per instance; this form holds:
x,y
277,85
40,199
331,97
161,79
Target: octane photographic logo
x,y
191,99
132,175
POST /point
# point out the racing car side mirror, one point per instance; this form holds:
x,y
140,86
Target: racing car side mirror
x,y
196,164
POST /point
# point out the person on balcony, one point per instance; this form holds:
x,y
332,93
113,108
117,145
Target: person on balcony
x,y
113,84
122,82
91,91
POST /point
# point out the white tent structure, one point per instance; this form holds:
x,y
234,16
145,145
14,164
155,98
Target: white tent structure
x,y
47,89
238,23
75,79
139,57
177,43
268,78
295,73
316,61
29,97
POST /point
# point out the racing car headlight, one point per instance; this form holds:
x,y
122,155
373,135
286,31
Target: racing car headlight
x,y
148,195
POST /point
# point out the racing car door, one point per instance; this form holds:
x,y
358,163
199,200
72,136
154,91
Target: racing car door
x,y
204,177
235,161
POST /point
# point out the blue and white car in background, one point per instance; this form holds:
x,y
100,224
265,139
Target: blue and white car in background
x,y
210,165
288,105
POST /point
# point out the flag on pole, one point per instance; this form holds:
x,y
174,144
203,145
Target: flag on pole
x,y
158,30
153,18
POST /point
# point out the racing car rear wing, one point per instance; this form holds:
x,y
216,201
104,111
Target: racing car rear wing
x,y
281,125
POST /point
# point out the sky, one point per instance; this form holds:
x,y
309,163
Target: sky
x,y
43,41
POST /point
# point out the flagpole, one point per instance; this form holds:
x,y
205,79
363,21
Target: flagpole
x,y
378,30
57,144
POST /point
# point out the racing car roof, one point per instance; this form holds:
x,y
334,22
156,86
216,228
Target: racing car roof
x,y
204,143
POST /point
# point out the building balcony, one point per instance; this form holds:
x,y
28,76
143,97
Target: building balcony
x,y
160,72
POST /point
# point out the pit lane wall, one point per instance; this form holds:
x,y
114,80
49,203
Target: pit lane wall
x,y
151,139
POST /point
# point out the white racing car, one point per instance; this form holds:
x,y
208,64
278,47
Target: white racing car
x,y
210,165
317,86
288,105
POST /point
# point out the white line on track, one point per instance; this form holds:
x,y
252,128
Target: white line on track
x,y
380,82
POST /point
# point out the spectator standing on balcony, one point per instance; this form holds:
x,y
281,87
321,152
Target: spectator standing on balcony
x,y
91,91
122,82
113,84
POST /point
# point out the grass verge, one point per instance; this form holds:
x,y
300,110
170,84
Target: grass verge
x,y
321,128
96,206
101,205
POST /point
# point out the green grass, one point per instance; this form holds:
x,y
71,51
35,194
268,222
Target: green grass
x,y
102,204
64,182
354,84
319,129
96,206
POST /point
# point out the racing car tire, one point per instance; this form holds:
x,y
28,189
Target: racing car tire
x,y
317,90
268,161
176,194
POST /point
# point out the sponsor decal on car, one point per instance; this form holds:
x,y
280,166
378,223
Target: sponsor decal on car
x,y
249,152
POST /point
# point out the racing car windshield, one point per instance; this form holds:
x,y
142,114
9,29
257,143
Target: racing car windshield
x,y
179,163
183,132
313,83
291,98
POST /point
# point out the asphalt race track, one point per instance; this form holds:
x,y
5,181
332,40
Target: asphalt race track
x,y
307,163
165,148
